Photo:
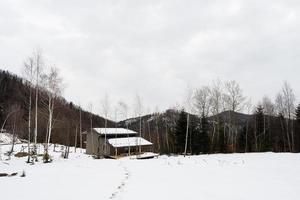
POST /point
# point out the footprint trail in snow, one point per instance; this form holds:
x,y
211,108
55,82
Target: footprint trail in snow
x,y
120,188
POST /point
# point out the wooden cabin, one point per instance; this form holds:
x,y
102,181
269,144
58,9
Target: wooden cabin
x,y
115,142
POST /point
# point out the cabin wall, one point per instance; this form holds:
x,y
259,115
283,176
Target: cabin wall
x,y
95,144
91,143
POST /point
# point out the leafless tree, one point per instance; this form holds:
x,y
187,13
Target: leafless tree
x,y
10,113
202,100
269,111
53,88
285,104
289,99
280,109
80,129
138,105
216,102
268,105
29,76
38,65
14,122
105,110
116,112
202,103
156,117
248,107
90,108
234,101
188,107
123,107
234,96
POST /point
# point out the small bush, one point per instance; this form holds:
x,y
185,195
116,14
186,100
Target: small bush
x,y
47,158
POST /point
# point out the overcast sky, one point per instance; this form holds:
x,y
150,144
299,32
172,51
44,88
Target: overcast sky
x,y
155,48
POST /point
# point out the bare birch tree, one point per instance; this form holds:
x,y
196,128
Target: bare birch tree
x,y
248,107
188,107
29,76
38,64
234,100
105,110
285,104
138,105
289,103
123,107
156,117
216,102
53,86
80,129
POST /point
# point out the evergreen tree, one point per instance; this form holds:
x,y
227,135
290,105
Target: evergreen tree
x,y
262,125
242,140
259,134
203,135
195,136
180,131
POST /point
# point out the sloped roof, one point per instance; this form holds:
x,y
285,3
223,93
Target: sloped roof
x,y
128,142
114,131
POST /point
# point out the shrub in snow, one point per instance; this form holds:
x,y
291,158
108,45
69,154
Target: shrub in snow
x,y
47,158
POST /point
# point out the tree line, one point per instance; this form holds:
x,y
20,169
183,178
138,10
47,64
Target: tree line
x,y
218,118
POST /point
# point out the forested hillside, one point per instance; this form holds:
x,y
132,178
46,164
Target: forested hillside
x,y
14,100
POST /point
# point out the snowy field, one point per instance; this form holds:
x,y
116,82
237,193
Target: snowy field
x,y
208,177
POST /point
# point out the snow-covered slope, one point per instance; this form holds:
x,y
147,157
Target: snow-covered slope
x,y
210,177
7,138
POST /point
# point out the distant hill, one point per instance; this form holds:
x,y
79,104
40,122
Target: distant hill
x,y
155,127
240,118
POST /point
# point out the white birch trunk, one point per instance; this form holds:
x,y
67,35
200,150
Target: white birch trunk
x,y
187,133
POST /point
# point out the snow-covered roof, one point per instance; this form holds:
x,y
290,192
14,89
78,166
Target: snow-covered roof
x,y
129,141
114,131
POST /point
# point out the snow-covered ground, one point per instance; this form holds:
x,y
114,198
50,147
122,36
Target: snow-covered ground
x,y
209,177
7,138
